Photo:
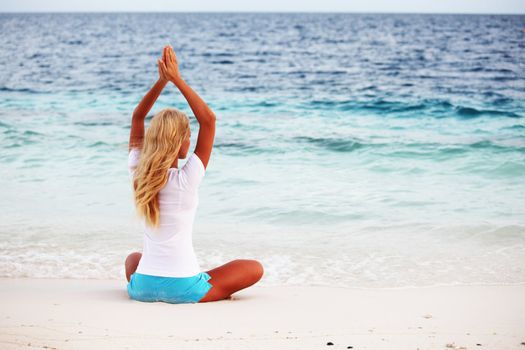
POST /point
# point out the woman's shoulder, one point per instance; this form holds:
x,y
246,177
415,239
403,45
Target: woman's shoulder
x,y
191,173
194,158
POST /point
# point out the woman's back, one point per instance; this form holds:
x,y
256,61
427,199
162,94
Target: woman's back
x,y
168,249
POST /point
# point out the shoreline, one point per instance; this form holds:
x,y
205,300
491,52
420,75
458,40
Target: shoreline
x,y
85,314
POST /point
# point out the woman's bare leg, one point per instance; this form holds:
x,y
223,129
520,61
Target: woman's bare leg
x,y
132,261
232,277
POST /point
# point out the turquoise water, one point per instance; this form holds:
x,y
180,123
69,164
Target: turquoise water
x,y
369,150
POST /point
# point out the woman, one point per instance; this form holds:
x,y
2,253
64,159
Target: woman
x,y
166,197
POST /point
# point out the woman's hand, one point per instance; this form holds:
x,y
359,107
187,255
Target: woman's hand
x,y
169,65
162,75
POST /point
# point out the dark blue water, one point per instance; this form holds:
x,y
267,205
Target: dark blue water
x,y
465,65
384,146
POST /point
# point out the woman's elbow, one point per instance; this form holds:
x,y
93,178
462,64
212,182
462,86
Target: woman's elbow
x,y
210,119
137,115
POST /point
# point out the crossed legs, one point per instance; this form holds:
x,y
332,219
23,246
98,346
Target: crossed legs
x,y
225,279
232,277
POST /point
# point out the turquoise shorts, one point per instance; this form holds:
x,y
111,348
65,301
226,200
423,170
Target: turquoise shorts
x,y
174,290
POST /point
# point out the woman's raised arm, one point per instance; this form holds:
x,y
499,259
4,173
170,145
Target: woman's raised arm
x,y
205,116
136,136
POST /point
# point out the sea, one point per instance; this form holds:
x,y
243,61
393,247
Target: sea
x,y
352,150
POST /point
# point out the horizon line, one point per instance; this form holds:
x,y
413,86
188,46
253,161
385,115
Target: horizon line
x,y
266,12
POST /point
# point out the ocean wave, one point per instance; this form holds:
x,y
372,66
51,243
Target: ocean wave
x,y
265,104
218,54
407,149
435,108
336,145
4,125
515,127
509,169
245,148
469,112
223,62
24,90
98,123
480,254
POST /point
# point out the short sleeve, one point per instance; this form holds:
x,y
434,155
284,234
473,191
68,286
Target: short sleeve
x,y
133,160
193,171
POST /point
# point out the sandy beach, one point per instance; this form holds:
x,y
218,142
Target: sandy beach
x,y
97,314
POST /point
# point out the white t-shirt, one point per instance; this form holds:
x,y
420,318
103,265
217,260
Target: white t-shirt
x,y
168,249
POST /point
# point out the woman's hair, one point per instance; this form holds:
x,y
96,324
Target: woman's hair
x,y
162,142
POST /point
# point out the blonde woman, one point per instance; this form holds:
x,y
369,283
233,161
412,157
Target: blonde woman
x,y
166,198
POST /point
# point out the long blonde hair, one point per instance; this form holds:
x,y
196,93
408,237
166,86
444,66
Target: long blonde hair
x,y
162,142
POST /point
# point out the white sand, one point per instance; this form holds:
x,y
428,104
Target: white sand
x,y
97,314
